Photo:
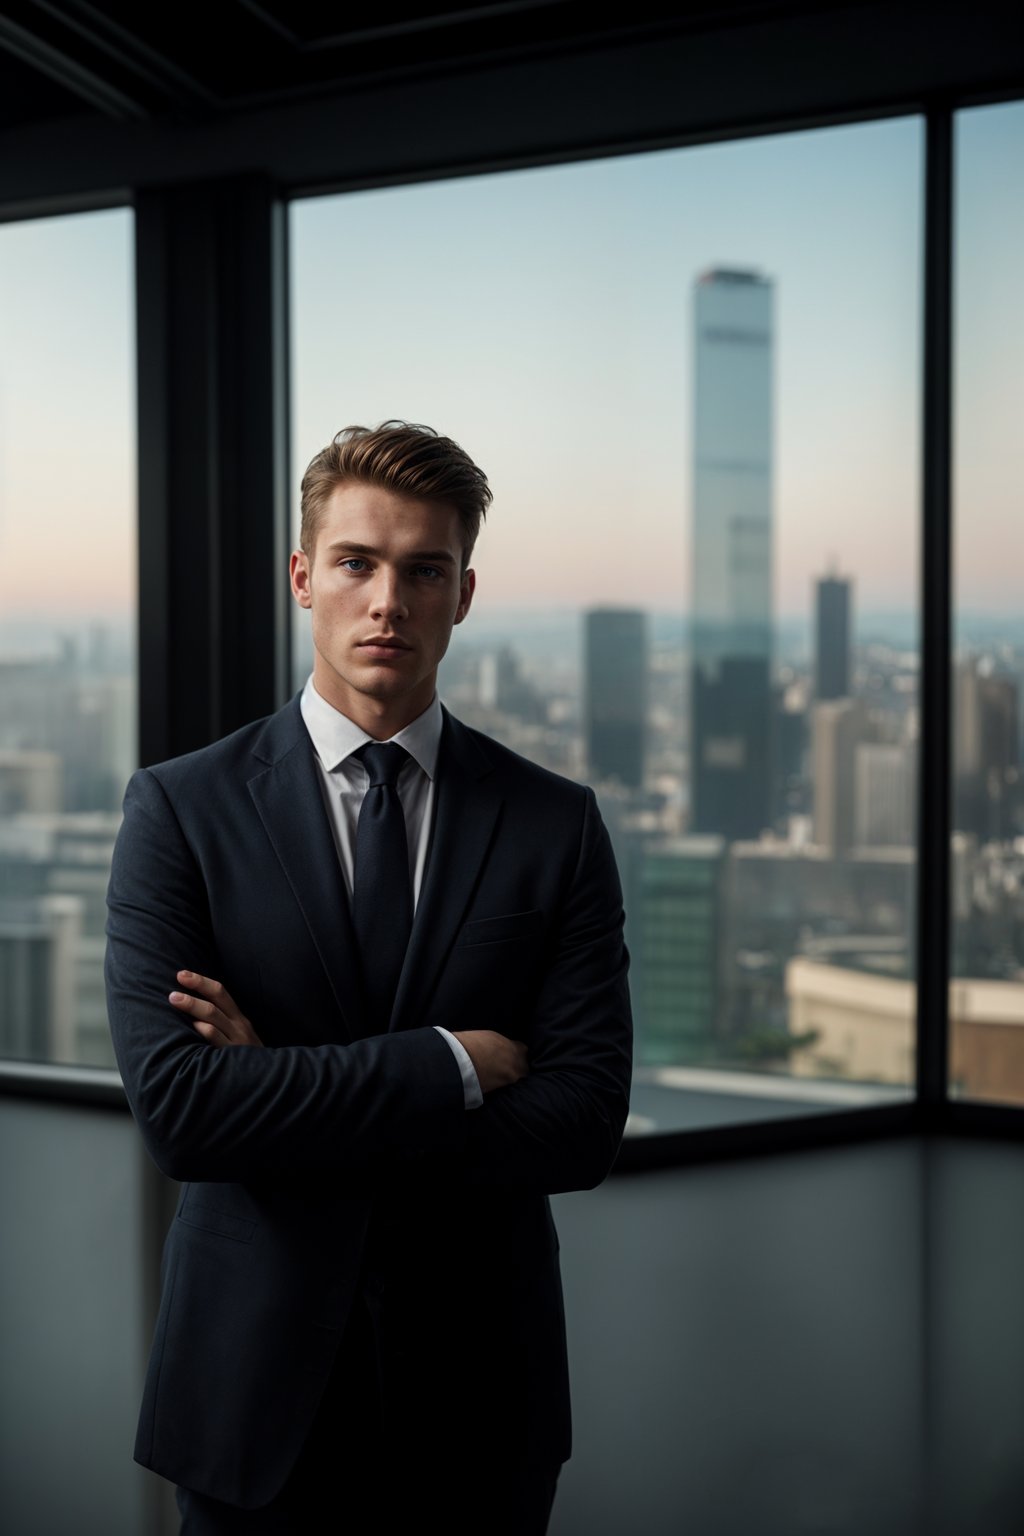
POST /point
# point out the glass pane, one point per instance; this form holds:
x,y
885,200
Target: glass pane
x,y
692,378
987,984
67,620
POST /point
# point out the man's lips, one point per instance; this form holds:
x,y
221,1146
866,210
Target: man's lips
x,y
384,645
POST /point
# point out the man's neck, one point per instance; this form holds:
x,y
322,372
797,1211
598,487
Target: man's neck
x,y
381,719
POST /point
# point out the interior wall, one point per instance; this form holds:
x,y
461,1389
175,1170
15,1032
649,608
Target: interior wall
x,y
746,1347
974,1401
72,1321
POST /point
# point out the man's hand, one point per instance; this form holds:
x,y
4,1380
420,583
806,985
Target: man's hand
x,y
213,1011
498,1061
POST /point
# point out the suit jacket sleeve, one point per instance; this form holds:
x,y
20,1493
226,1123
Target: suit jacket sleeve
x,y
560,1127
236,1113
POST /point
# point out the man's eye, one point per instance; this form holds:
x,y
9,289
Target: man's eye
x,y
430,571
354,563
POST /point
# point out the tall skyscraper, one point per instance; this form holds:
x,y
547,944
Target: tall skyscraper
x,y
615,693
832,639
731,705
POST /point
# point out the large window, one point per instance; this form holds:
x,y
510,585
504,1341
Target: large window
x,y
987,983
67,617
692,378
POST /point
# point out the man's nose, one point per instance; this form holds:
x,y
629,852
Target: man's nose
x,y
388,596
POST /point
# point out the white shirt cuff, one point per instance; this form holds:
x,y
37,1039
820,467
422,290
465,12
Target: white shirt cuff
x,y
470,1082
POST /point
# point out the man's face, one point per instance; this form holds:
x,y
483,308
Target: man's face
x,y
385,587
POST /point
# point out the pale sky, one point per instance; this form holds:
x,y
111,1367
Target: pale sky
x,y
67,416
543,318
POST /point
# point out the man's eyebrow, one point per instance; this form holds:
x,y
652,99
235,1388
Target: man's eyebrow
x,y
436,555
433,554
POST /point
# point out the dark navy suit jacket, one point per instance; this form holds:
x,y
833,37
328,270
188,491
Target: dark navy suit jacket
x,y
336,1162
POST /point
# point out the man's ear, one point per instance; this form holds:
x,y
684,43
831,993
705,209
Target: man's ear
x,y
300,573
466,589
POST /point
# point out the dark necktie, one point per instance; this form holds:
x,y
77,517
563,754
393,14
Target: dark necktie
x,y
382,895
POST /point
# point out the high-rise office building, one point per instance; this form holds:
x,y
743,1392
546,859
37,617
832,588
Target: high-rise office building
x,y
676,931
832,639
615,693
731,704
839,727
790,743
986,751
885,796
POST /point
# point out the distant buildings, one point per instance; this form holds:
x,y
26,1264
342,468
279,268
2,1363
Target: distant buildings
x,y
862,1026
615,694
39,944
677,900
832,639
986,752
731,700
30,781
53,884
85,720
885,794
780,901
838,728
504,687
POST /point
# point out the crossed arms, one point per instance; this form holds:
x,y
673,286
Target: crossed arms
x,y
372,1108
497,1061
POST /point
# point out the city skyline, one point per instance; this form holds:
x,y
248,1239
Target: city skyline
x,y
757,952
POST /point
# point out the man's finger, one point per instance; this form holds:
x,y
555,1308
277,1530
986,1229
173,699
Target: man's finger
x,y
198,1007
231,1026
210,1032
206,986
213,990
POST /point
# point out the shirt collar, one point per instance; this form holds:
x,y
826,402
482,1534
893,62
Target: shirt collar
x,y
335,737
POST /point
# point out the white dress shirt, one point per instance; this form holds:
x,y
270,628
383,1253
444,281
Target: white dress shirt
x,y
344,781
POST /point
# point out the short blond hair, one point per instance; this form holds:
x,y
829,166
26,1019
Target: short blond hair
x,y
399,456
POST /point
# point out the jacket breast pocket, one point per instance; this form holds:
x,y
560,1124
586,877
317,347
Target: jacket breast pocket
x,y
505,929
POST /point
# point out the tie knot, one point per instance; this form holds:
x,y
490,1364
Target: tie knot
x,y
383,761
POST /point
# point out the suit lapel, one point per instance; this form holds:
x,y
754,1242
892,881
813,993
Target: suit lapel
x,y
466,814
288,797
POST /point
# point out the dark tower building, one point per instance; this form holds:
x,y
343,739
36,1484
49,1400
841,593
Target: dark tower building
x,y
732,769
986,748
832,639
616,694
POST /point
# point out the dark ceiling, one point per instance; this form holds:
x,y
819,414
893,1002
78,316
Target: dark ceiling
x,y
174,63
98,100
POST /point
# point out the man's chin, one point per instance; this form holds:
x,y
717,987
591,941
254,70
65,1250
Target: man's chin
x,y
388,682
385,678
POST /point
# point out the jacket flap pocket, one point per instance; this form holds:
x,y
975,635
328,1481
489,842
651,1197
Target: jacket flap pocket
x,y
498,930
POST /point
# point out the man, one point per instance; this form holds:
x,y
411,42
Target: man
x,y
369,1003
